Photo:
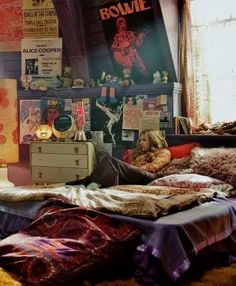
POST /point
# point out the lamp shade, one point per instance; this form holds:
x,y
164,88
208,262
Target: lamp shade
x,y
9,149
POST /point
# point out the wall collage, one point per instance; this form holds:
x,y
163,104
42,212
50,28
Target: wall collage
x,y
120,118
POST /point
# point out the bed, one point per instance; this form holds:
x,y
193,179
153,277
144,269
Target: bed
x,y
159,227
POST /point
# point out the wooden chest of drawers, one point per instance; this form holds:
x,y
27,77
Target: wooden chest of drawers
x,y
56,162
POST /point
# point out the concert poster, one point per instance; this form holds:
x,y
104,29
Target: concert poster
x,y
132,38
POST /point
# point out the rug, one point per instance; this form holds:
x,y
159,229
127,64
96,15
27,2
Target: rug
x,y
219,276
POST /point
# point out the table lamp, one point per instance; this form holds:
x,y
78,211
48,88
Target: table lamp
x,y
9,148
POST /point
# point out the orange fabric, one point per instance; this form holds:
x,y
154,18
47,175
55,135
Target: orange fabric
x,y
153,161
183,150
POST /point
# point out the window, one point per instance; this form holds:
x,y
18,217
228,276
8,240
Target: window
x,y
213,52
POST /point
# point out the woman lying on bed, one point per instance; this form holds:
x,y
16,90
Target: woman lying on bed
x,y
150,155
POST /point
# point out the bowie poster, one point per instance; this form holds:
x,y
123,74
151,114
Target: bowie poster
x,y
133,44
42,58
39,19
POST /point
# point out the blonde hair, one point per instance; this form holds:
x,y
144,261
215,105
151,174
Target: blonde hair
x,y
156,140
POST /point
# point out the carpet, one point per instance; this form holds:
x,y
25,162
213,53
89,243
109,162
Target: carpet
x,y
219,276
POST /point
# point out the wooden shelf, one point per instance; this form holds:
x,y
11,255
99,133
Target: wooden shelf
x,y
133,90
206,140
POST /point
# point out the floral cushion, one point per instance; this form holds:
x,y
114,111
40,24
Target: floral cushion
x,y
192,181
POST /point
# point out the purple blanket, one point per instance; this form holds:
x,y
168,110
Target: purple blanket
x,y
163,238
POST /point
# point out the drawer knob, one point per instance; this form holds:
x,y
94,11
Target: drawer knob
x,y
40,175
77,162
40,149
77,177
76,149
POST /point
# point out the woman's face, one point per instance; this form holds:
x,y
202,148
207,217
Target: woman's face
x,y
144,143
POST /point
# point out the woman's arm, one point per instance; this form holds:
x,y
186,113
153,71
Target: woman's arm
x,y
160,159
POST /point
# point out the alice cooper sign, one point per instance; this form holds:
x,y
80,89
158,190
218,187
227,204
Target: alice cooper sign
x,y
132,38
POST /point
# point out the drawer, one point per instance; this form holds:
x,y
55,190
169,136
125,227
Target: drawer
x,y
61,148
57,175
59,160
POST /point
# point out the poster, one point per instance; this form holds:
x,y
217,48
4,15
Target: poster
x,y
29,120
132,44
42,58
127,135
109,111
131,113
11,25
39,19
150,119
52,107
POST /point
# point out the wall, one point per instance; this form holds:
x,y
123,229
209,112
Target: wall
x,y
10,67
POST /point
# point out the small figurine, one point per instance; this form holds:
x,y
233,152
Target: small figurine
x,y
92,83
26,80
126,79
156,77
78,83
106,79
164,76
66,80
39,84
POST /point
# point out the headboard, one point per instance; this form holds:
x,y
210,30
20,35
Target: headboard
x,y
204,140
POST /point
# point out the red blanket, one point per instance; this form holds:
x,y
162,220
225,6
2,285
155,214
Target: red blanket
x,y
64,242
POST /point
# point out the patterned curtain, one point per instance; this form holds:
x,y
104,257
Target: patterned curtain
x,y
194,79
207,60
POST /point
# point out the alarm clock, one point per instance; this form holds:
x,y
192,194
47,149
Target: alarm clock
x,y
63,126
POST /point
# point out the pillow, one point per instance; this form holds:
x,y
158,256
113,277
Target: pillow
x,y
183,150
175,166
178,151
219,163
127,156
192,181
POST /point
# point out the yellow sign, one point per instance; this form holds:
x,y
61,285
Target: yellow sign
x,y
39,19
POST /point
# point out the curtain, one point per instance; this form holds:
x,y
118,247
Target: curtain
x,y
194,79
207,60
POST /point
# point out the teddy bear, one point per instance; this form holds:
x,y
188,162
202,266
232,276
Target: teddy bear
x,y
66,80
126,79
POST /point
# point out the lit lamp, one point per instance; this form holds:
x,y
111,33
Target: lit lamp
x,y
44,132
9,149
80,122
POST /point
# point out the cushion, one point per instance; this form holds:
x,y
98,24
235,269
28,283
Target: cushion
x,y
178,151
183,150
127,156
219,163
192,181
175,166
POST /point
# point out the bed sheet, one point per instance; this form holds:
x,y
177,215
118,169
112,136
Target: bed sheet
x,y
15,216
166,237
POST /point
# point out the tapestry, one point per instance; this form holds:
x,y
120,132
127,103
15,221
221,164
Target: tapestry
x,y
11,25
133,44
